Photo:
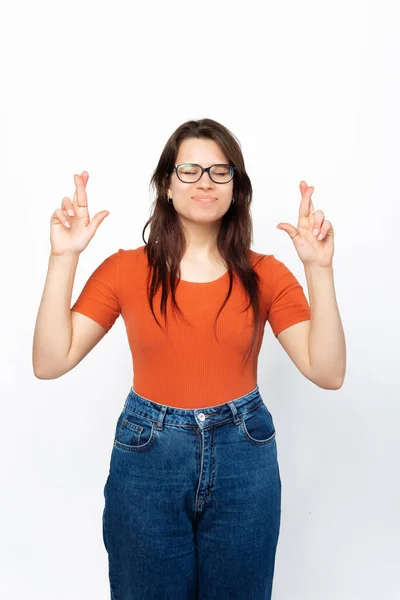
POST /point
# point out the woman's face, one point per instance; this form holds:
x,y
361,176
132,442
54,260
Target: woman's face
x,y
203,152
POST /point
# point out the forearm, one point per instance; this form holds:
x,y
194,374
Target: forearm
x,y
326,342
53,329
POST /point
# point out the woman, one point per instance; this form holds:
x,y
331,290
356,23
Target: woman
x,y
193,496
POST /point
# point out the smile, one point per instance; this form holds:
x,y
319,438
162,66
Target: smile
x,y
204,200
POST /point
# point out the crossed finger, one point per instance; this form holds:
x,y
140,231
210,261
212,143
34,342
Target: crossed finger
x,y
317,216
319,219
80,196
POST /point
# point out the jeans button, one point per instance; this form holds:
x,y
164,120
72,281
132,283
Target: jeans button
x,y
202,416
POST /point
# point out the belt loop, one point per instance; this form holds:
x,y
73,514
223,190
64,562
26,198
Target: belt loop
x,y
160,421
236,418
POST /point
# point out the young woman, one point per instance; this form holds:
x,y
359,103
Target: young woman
x,y
193,495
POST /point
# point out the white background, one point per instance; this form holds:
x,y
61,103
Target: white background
x,y
311,90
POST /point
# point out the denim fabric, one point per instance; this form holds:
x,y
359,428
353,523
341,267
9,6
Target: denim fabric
x,y
192,501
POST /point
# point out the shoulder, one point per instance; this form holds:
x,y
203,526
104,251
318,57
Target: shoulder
x,y
263,264
267,263
132,260
131,254
274,275
257,257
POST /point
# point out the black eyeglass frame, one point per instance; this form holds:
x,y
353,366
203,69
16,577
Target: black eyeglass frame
x,y
203,170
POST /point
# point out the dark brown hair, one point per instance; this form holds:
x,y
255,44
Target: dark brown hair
x,y
167,242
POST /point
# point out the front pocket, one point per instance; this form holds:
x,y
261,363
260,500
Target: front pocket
x,y
134,432
258,426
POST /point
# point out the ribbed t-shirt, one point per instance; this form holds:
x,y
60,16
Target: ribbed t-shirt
x,y
186,365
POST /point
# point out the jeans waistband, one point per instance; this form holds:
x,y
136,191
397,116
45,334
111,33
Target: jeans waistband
x,y
162,414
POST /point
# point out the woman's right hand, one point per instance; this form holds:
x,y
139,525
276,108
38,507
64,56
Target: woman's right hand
x,y
75,238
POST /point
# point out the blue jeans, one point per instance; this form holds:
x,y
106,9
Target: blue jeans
x,y
192,501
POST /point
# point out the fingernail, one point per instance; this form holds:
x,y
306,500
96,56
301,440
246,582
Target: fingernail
x,y
315,232
70,212
67,224
320,236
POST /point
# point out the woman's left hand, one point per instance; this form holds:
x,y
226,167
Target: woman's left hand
x,y
313,250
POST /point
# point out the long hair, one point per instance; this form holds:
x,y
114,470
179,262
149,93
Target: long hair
x,y
167,243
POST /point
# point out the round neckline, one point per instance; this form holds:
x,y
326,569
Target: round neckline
x,y
203,282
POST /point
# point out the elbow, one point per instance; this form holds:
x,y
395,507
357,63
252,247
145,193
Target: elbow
x,y
36,371
335,387
36,374
47,377
339,384
340,381
46,369
326,383
322,380
331,385
42,374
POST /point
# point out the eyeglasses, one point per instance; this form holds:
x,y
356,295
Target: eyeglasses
x,y
190,172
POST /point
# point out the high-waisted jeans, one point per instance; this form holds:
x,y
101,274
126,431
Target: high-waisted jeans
x,y
192,501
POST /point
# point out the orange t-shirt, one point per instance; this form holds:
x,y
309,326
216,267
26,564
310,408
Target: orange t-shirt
x,y
186,365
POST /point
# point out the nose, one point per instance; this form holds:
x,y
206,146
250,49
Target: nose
x,y
205,180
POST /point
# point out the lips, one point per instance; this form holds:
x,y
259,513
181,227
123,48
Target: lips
x,y
204,199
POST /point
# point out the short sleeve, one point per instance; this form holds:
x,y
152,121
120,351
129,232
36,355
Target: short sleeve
x,y
289,304
99,299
